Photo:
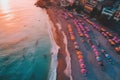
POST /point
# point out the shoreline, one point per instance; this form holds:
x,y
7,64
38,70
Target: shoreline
x,y
54,52
59,39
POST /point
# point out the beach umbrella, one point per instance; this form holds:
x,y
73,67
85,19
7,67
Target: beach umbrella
x,y
98,58
70,29
107,33
110,35
72,37
83,66
118,40
69,26
93,46
103,29
117,49
81,61
78,53
112,43
76,46
109,40
75,43
103,33
80,57
107,56
83,71
94,49
97,53
81,34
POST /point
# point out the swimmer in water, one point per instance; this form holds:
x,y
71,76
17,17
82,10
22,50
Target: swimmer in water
x,y
37,42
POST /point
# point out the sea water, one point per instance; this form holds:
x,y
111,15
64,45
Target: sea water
x,y
25,45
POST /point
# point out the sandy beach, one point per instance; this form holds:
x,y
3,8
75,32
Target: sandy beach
x,y
95,72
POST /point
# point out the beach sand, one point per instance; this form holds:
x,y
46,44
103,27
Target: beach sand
x,y
94,71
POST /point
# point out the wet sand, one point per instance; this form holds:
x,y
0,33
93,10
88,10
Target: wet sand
x,y
58,36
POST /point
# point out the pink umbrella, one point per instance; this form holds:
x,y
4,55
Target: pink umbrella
x,y
75,43
93,46
103,33
94,49
83,71
81,61
83,66
97,53
118,40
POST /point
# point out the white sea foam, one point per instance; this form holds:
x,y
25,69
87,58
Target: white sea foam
x,y
67,71
54,52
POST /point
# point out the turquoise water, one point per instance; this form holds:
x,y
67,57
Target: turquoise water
x,y
24,41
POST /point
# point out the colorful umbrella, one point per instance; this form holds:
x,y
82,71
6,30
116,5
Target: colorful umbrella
x,y
83,66
81,61
98,58
83,71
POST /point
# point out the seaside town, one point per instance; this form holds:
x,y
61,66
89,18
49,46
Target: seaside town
x,y
60,40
